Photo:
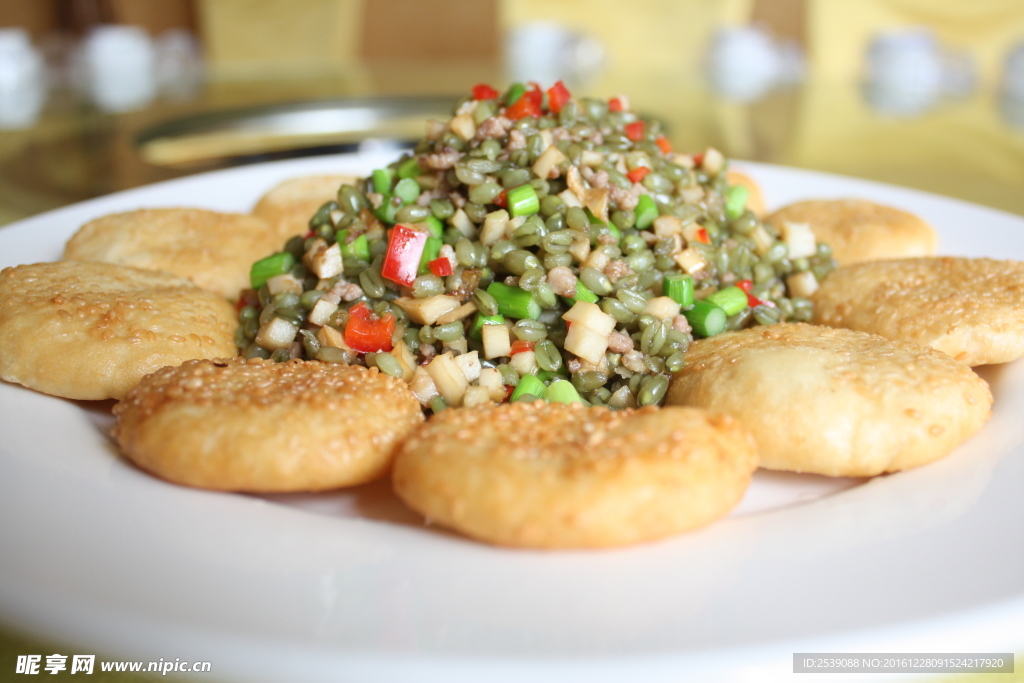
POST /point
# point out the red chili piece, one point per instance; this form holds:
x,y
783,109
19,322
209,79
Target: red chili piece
x,y
519,346
638,174
484,92
367,333
664,144
501,200
527,105
702,236
698,158
558,95
635,131
615,104
402,260
440,267
746,286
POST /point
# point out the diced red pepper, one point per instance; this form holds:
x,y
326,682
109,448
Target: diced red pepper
x,y
484,92
746,286
664,144
367,333
558,95
527,105
702,236
638,174
698,158
519,346
402,260
615,104
502,199
635,131
308,235
440,267
509,390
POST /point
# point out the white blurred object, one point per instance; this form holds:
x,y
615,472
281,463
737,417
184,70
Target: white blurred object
x,y
547,52
179,63
908,71
119,63
22,80
745,63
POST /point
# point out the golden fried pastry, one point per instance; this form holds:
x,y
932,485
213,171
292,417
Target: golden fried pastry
x,y
214,250
755,202
92,330
969,308
551,475
288,206
859,230
254,425
834,402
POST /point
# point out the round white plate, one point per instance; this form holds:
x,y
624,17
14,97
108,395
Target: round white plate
x,y
350,586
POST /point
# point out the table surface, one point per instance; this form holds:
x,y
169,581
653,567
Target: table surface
x,y
970,147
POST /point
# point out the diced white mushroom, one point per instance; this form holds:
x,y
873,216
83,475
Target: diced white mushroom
x,y
799,239
524,362
469,363
328,336
459,313
322,311
284,283
496,340
667,226
422,386
713,161
277,334
426,311
460,221
448,378
802,284
326,262
662,307
490,378
547,161
691,260
493,229
406,359
463,126
762,240
476,396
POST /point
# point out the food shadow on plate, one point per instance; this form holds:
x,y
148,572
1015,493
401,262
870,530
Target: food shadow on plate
x,y
373,501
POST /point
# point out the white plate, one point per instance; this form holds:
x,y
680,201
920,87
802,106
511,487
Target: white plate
x,y
350,586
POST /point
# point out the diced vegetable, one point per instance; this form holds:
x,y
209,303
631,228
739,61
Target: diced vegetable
x,y
799,239
469,363
382,179
731,299
367,333
706,318
357,248
802,284
638,174
475,331
266,268
523,201
484,92
562,391
646,211
525,363
558,95
427,310
402,260
276,334
431,250
520,346
448,377
679,288
407,190
514,302
497,342
736,201
440,267
528,384
634,131
662,307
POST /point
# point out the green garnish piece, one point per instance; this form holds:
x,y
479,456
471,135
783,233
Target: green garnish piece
x,y
562,391
431,250
409,168
736,201
706,319
732,300
522,201
434,226
271,266
407,190
358,248
528,384
646,211
583,293
381,179
515,91
612,228
679,288
475,331
514,302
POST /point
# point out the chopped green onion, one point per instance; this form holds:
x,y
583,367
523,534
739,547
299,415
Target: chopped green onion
x,y
706,319
409,168
562,391
514,302
731,299
271,266
528,384
679,288
522,201
431,250
646,211
407,190
359,247
583,293
386,211
515,91
736,201
434,226
612,228
381,179
480,321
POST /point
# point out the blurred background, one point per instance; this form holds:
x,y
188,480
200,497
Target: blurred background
x,y
101,95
